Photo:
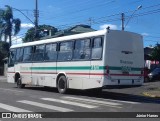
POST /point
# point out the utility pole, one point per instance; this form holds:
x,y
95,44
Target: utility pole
x,y
36,15
122,18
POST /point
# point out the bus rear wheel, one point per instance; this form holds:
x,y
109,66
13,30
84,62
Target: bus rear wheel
x,y
62,85
19,83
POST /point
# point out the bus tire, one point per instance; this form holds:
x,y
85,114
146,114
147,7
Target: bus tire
x,y
62,84
19,83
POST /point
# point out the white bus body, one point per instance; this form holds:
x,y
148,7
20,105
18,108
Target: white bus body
x,y
81,61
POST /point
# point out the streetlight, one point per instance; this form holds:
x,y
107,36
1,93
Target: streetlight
x,y
139,7
21,13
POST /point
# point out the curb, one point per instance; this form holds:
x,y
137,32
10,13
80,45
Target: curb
x,y
150,95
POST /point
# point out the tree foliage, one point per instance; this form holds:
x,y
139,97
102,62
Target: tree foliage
x,y
9,24
156,53
4,49
42,31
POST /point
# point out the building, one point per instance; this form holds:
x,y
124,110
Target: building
x,y
149,62
73,30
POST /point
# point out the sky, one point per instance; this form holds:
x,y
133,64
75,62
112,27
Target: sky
x,y
99,14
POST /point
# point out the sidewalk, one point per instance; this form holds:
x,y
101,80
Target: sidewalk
x,y
3,79
150,89
154,93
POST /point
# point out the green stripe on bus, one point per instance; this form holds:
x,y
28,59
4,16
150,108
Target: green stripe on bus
x,y
82,68
136,69
120,68
62,68
43,68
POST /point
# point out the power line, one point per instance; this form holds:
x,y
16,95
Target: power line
x,y
152,36
17,38
114,19
104,19
60,16
152,40
84,9
147,13
125,13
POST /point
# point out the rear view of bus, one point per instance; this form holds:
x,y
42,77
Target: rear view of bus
x,y
124,58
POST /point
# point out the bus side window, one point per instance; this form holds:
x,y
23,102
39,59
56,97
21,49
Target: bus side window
x,y
12,56
27,57
51,52
65,51
39,53
82,50
19,55
97,48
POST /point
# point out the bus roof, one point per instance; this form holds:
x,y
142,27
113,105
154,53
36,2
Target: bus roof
x,y
69,37
58,39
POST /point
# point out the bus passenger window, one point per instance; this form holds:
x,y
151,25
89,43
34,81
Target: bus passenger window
x,y
65,52
51,52
97,48
19,55
82,50
39,53
11,60
27,54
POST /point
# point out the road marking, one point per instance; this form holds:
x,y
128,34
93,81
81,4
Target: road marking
x,y
130,102
10,90
69,103
92,101
45,106
12,108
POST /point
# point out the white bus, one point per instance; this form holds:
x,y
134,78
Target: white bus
x,y
82,61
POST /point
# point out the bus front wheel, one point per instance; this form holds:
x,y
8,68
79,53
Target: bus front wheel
x,y
19,83
62,85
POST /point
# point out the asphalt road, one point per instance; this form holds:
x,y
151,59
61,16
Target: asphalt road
x,y
40,99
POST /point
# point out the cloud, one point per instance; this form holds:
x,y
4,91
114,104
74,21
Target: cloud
x,y
54,9
112,26
16,40
144,34
26,25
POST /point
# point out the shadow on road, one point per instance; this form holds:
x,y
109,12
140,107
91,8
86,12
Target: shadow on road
x,y
151,81
103,95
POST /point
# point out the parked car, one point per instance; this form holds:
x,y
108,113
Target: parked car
x,y
155,74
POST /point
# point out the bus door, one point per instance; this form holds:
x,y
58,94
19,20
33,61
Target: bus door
x,y
11,68
96,71
25,67
44,65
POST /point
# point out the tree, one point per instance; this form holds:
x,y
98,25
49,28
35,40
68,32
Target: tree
x,y
4,49
1,23
9,23
0,30
156,53
42,31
